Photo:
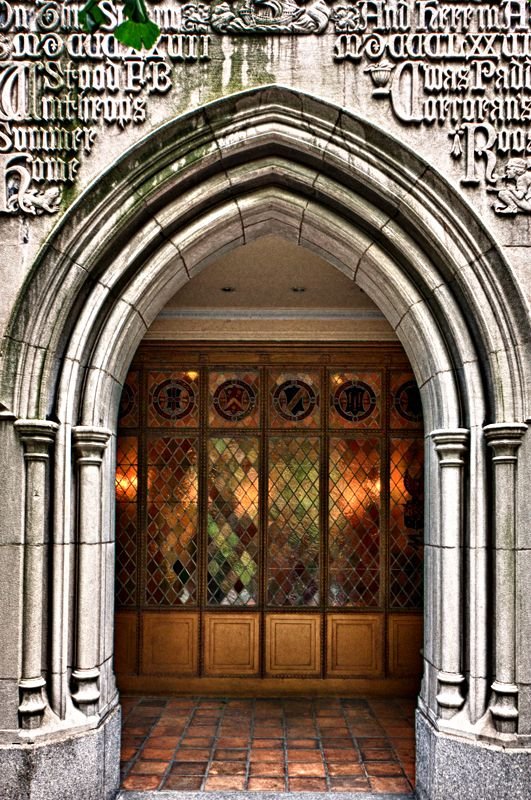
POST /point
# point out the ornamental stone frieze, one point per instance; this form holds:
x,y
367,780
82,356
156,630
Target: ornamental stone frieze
x,y
457,72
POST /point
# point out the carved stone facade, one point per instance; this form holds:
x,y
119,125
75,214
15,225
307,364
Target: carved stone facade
x,y
390,137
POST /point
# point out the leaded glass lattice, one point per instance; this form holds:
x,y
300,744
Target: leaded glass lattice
x,y
172,520
233,521
234,399
354,522
406,406
406,523
293,537
126,488
128,413
294,399
173,399
355,399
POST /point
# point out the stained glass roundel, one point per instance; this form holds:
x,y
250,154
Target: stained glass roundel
x,y
354,400
294,400
234,400
406,401
127,401
174,398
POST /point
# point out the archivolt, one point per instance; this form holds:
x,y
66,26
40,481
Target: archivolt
x,y
262,161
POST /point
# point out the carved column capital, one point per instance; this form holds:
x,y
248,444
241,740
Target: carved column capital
x,y
450,445
90,443
37,436
505,438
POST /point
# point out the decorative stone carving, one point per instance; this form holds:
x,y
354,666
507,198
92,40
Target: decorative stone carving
x,y
37,437
516,197
451,446
504,439
270,17
89,444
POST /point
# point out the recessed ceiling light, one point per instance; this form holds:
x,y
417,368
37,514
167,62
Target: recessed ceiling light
x,y
228,288
298,288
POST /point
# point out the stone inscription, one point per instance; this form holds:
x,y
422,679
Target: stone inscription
x,y
461,67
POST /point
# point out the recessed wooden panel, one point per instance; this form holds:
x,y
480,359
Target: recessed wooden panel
x,y
355,645
169,643
231,644
293,644
404,636
125,640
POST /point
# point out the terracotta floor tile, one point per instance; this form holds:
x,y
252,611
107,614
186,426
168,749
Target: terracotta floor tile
x,y
192,754
343,768
310,756
227,768
307,784
157,753
183,782
266,744
305,770
297,744
341,755
222,754
197,741
266,755
149,767
377,755
233,742
349,784
373,743
188,768
384,769
138,782
128,753
224,782
271,768
389,785
266,784
163,741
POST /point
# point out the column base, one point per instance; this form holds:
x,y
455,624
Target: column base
x,y
449,767
80,766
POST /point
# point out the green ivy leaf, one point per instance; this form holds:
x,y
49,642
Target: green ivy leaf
x,y
138,31
137,34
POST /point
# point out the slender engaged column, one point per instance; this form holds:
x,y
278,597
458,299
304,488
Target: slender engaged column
x,y
89,445
37,436
505,439
451,446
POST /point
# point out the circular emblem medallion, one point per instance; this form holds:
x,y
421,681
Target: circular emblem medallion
x,y
294,400
174,398
406,401
127,401
354,400
234,400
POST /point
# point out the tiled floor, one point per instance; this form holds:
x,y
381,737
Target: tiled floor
x,y
288,744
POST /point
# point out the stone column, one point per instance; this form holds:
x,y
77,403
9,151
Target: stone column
x,y
37,436
505,439
89,445
450,446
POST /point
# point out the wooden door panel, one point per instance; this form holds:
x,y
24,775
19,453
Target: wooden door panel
x,y
231,644
125,642
404,636
293,644
355,645
169,643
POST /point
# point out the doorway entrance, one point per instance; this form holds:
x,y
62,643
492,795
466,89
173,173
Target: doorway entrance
x,y
269,520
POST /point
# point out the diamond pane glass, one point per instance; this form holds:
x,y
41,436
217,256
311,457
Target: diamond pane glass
x,y
294,399
293,522
233,399
171,558
233,533
173,399
406,524
354,523
126,520
355,399
128,412
406,406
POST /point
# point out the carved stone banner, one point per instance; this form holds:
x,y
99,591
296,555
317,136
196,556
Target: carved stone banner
x,y
457,66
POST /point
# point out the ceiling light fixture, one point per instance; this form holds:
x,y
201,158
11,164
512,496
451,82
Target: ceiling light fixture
x,y
298,288
228,289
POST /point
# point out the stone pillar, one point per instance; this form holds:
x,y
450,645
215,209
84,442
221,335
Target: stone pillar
x,y
504,439
89,445
37,436
450,446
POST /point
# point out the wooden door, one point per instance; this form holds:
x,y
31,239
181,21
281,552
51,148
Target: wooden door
x,y
269,520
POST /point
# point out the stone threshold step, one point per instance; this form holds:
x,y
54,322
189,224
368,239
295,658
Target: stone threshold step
x,y
238,795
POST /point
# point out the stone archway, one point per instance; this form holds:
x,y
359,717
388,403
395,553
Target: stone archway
x,y
266,160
